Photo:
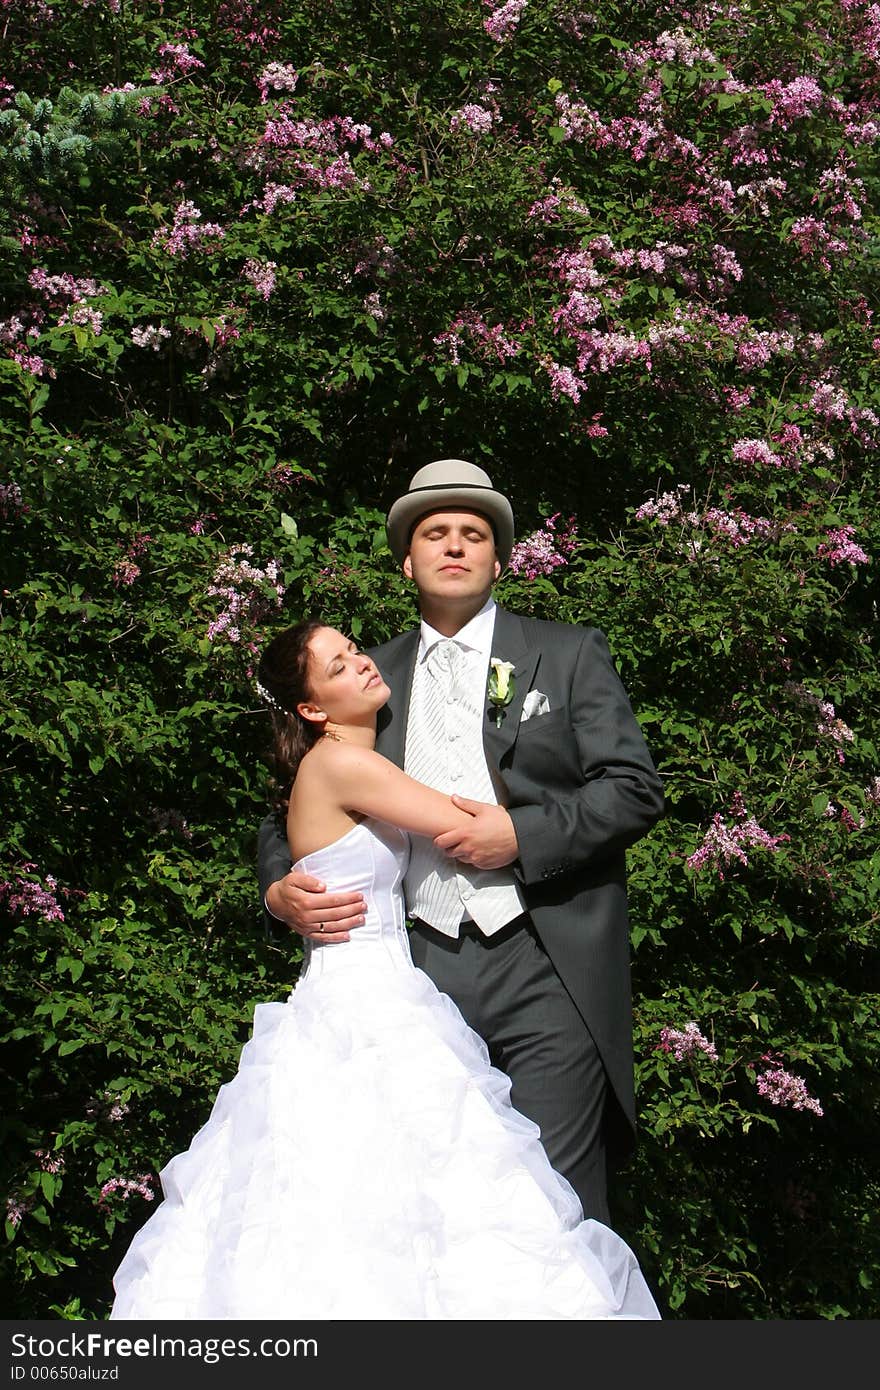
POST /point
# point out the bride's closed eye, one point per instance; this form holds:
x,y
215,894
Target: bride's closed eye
x,y
337,664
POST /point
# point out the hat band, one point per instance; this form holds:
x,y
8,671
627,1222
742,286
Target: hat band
x,y
451,487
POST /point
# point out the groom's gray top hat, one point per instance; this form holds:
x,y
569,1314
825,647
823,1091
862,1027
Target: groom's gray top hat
x,y
447,485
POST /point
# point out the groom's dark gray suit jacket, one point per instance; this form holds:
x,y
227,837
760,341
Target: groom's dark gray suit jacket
x,y
580,786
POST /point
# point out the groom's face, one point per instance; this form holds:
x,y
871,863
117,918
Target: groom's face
x,y
452,558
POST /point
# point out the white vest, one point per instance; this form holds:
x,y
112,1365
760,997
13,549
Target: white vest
x,y
444,749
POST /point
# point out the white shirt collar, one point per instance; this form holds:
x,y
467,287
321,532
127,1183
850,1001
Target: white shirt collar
x,y
475,636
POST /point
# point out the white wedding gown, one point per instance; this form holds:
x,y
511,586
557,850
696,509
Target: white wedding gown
x,y
365,1162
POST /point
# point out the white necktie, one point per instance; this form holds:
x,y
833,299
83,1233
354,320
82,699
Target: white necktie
x,y
445,661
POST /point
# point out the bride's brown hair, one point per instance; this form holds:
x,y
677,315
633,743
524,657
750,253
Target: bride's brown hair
x,y
283,682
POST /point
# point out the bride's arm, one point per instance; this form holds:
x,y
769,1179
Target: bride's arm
x,y
368,784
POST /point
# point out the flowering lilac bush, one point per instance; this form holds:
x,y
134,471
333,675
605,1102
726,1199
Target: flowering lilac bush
x,y
261,263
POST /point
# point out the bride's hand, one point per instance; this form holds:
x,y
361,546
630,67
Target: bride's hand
x,y
303,902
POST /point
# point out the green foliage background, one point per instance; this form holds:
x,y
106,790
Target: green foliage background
x,y
424,306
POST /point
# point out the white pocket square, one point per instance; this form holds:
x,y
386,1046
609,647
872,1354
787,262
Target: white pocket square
x,y
536,702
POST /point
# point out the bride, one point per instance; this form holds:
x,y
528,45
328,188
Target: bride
x,y
365,1162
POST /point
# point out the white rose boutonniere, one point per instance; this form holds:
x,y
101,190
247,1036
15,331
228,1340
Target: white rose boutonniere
x,y
500,686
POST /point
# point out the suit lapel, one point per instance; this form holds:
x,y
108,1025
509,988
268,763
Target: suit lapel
x,y
509,643
397,670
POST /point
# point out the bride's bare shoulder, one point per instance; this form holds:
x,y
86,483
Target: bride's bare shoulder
x,y
335,758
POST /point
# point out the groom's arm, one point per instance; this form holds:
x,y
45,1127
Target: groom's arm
x,y
620,795
297,901
273,863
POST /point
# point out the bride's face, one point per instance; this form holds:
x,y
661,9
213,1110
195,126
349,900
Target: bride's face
x,y
345,686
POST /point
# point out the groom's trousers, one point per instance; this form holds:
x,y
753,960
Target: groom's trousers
x,y
508,991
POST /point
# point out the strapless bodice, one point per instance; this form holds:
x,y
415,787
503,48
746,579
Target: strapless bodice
x,y
370,859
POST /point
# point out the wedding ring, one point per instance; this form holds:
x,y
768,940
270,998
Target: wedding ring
x,y
320,926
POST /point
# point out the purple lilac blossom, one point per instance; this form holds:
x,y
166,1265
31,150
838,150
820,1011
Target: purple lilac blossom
x,y
17,1207
553,205
473,118
249,21
686,1043
108,1106
780,1087
564,382
793,101
34,365
839,548
178,61
261,274
545,549
28,898
49,1162
665,508
187,231
275,193
576,22
243,586
725,844
150,336
375,308
277,77
813,238
329,164
125,572
669,47
127,1187
492,342
828,724
504,21
59,287
737,527
83,317
11,501
756,451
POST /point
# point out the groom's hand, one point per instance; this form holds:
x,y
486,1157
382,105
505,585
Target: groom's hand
x,y
488,840
303,902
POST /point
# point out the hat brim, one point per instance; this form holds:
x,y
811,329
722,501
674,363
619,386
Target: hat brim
x,y
407,510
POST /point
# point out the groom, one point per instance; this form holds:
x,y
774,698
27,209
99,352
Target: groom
x,y
522,917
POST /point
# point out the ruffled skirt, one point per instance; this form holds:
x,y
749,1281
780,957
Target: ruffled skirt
x,y
365,1163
